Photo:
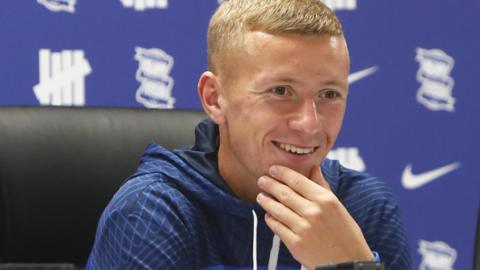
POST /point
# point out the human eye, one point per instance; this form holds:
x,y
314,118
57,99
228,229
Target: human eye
x,y
330,94
280,90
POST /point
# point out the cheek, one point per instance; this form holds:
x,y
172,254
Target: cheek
x,y
333,120
253,120
253,129
250,113
243,126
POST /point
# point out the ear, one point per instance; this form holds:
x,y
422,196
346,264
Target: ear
x,y
209,93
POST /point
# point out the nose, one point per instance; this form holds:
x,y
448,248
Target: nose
x,y
306,118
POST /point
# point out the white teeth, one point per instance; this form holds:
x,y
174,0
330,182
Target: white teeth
x,y
295,149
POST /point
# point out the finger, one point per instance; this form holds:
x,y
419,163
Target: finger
x,y
317,176
282,193
297,182
279,211
286,235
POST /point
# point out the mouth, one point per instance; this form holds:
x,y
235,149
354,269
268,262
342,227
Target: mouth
x,y
293,149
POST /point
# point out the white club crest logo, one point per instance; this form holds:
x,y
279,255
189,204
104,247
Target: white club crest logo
x,y
141,5
153,73
62,78
435,93
59,5
341,4
436,255
348,157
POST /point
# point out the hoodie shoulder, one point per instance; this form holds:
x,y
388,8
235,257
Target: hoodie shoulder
x,y
147,211
373,206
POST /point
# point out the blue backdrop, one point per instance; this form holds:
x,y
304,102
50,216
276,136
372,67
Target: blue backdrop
x,y
411,118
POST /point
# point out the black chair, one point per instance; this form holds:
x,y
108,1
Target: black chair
x,y
59,167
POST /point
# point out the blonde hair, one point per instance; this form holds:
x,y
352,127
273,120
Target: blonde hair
x,y
234,18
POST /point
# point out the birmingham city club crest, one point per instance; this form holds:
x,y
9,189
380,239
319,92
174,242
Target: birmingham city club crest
x,y
435,91
153,73
436,255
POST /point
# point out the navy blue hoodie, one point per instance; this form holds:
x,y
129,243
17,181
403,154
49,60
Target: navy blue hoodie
x,y
177,212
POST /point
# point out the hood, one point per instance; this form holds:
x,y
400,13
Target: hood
x,y
199,164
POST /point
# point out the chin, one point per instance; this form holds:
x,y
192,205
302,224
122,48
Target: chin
x,y
304,170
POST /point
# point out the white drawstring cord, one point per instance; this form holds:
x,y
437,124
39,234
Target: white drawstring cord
x,y
273,260
255,223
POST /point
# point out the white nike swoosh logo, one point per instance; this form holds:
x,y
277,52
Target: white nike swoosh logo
x,y
356,76
413,181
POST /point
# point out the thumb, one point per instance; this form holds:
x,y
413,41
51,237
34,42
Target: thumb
x,y
317,177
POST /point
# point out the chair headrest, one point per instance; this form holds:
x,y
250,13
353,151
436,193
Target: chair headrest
x,y
59,167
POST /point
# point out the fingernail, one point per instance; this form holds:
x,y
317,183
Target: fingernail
x,y
261,181
259,197
273,169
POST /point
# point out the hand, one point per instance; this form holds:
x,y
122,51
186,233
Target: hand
x,y
309,218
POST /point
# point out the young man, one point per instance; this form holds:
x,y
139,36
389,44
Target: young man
x,y
275,94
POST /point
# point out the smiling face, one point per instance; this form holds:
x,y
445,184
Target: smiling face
x,y
281,103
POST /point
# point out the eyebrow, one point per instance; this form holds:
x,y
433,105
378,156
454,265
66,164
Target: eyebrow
x,y
293,81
